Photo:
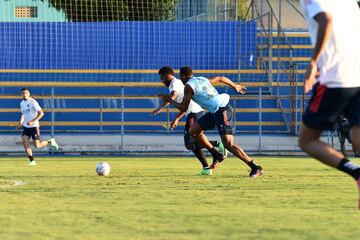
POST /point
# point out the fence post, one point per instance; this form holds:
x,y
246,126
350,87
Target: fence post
x,y
101,113
167,120
52,112
122,120
260,119
270,53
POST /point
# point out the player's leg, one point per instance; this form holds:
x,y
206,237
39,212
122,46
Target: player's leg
x,y
355,140
324,107
35,134
223,118
217,144
309,142
190,143
27,148
228,140
38,143
197,132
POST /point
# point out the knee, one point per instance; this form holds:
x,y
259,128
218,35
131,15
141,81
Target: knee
x,y
228,145
189,146
303,143
193,133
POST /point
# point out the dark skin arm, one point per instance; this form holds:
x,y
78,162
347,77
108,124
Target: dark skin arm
x,y
184,105
220,79
323,35
173,95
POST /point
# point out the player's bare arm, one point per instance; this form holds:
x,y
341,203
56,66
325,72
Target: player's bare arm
x,y
184,105
173,95
21,121
39,115
324,32
177,119
221,79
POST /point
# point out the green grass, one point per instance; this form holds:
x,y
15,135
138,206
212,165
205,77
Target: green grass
x,y
163,198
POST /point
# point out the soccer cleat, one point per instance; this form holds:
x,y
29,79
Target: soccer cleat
x,y
205,172
217,161
223,150
32,163
53,144
256,172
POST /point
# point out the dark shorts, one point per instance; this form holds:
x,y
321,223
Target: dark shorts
x,y
326,104
190,120
33,132
221,119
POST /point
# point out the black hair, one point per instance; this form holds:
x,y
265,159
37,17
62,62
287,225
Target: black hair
x,y
25,89
166,70
186,71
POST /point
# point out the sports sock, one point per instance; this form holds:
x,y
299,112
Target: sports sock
x,y
201,156
214,143
31,158
350,168
215,153
251,164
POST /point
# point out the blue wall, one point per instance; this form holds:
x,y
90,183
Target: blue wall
x,y
126,45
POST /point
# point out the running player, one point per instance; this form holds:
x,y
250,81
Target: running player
x,y
333,74
193,113
201,91
31,113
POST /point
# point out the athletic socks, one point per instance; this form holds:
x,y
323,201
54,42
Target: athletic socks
x,y
252,165
217,156
214,143
201,156
349,168
31,158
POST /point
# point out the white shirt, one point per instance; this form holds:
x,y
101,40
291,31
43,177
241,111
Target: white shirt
x,y
339,63
177,86
29,109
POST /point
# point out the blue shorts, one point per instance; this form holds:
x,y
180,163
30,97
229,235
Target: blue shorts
x,y
326,104
190,120
221,119
33,132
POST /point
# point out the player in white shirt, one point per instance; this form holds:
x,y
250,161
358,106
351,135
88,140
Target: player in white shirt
x,y
219,115
31,113
334,77
193,113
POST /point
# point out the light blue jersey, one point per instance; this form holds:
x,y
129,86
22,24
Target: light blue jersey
x,y
206,95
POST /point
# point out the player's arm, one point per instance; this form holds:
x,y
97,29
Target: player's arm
x,y
39,115
173,95
21,121
325,29
184,105
177,119
221,79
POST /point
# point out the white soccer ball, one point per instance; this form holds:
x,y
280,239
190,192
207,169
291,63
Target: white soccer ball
x,y
103,169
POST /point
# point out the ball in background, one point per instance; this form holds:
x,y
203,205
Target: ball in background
x,y
103,169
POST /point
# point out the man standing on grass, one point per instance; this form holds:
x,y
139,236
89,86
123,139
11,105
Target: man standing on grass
x,y
334,77
31,113
193,113
202,91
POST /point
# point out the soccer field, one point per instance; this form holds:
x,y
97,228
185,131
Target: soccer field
x,y
163,198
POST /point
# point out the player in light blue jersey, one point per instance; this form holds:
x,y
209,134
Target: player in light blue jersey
x,y
193,113
202,91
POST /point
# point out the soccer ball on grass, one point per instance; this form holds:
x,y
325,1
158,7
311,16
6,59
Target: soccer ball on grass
x,y
103,169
